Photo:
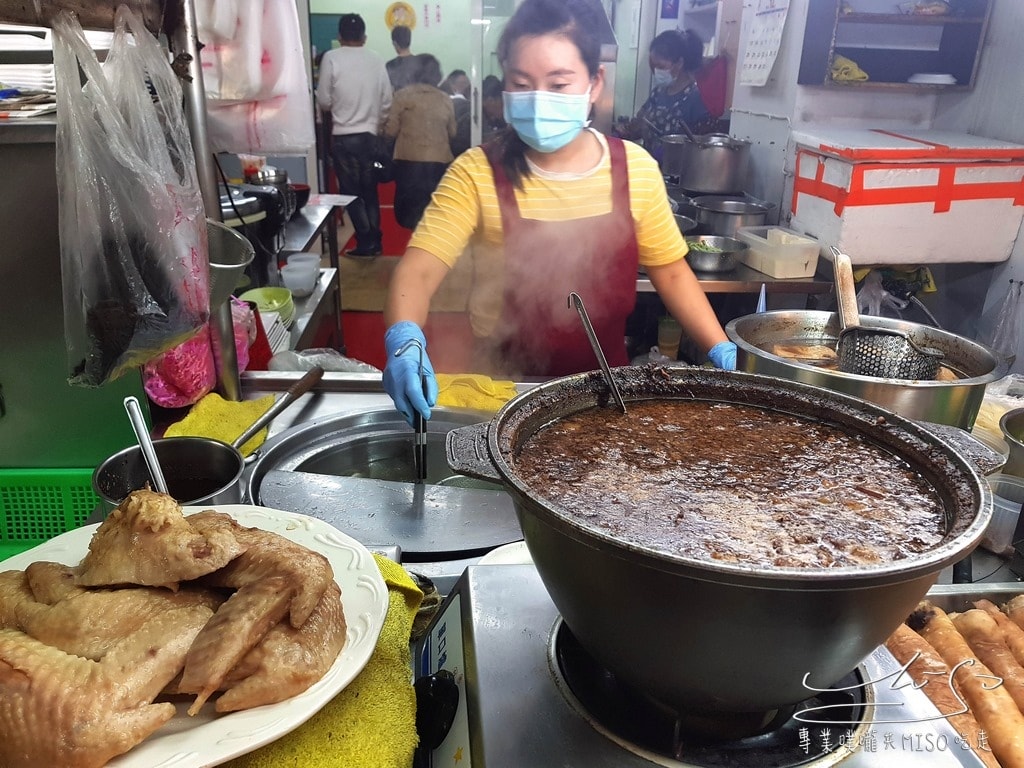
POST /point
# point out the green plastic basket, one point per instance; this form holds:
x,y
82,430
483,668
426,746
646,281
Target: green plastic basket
x,y
38,504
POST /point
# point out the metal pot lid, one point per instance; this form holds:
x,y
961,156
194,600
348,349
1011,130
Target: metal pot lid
x,y
728,205
721,140
355,472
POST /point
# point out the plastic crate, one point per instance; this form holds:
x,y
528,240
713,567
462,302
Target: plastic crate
x,y
38,504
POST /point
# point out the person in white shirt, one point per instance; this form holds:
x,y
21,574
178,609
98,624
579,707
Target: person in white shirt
x,y
354,87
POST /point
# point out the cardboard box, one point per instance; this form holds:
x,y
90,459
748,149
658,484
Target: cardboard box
x,y
908,198
779,252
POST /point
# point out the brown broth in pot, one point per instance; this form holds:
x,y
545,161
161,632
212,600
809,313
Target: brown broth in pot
x,y
734,483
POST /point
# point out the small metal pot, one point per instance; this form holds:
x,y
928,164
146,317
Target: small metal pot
x,y
198,470
725,215
713,164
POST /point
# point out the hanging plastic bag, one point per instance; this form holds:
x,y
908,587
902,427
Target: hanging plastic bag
x,y
134,263
1004,337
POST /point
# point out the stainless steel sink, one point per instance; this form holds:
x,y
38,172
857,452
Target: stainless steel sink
x,y
355,470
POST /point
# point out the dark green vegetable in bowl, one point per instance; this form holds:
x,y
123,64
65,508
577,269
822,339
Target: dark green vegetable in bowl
x,y
714,253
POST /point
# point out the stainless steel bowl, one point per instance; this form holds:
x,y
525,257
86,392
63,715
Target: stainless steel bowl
x,y
1012,426
944,402
723,254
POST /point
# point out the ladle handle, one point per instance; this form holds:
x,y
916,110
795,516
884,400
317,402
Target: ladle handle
x,y
156,474
300,387
846,293
574,299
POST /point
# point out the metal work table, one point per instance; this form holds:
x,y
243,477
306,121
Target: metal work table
x,y
324,301
743,279
307,225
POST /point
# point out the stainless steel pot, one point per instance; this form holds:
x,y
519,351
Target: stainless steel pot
x,y
944,402
198,470
718,636
713,164
724,215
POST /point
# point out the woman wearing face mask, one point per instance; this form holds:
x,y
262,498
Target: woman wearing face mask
x,y
675,99
549,207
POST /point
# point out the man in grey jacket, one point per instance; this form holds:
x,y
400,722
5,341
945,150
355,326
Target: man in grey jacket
x,y
354,87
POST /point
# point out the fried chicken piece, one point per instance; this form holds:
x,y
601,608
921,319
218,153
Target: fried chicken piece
x,y
59,709
147,541
238,625
52,582
267,554
288,661
14,590
90,622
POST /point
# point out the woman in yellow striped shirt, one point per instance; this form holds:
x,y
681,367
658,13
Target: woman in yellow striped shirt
x,y
547,208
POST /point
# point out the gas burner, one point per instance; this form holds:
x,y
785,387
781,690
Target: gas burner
x,y
649,729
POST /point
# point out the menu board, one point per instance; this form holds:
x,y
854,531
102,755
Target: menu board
x,y
763,41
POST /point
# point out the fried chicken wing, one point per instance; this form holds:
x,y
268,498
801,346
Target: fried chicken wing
x,y
62,710
90,622
238,625
147,541
287,661
267,554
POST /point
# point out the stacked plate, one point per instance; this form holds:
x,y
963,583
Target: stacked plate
x,y
277,333
277,300
932,78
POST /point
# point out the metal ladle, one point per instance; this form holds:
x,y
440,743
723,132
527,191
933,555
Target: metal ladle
x,y
575,300
156,474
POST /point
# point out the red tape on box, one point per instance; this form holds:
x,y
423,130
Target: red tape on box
x,y
942,193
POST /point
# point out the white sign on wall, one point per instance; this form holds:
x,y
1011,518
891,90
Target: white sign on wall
x,y
764,41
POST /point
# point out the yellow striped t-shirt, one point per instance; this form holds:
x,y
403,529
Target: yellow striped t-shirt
x,y
464,207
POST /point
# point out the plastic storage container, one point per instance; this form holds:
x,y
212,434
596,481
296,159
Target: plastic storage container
x,y
779,252
1007,497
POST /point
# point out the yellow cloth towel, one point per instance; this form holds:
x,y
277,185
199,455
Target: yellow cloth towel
x,y
372,723
847,70
471,390
224,420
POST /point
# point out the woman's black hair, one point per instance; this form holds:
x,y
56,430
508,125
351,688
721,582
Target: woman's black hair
x,y
577,21
428,69
680,45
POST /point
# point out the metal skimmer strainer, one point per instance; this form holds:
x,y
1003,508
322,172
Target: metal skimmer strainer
x,y
881,352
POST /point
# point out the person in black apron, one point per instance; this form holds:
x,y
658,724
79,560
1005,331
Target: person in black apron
x,y
549,207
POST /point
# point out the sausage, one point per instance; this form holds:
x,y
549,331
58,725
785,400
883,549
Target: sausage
x,y
991,704
931,674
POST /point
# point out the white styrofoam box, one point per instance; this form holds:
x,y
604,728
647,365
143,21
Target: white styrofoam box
x,y
779,252
887,198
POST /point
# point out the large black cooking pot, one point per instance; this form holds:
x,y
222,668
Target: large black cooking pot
x,y
715,636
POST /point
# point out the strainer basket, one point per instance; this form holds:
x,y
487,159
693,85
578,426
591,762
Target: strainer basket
x,y
884,353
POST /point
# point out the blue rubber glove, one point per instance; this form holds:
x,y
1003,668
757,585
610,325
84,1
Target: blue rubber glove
x,y
723,355
402,374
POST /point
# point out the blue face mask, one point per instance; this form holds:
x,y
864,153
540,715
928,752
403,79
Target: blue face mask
x,y
662,77
545,120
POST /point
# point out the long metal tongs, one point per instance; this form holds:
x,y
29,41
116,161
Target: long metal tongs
x,y
419,424
575,300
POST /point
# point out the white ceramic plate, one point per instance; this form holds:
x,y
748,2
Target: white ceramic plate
x,y
515,553
210,739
